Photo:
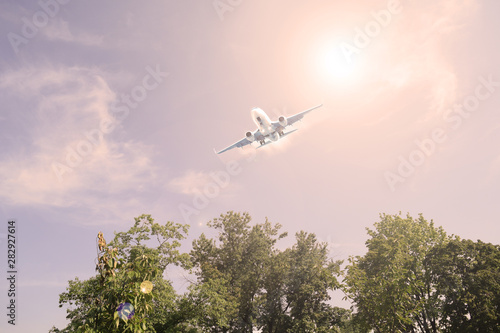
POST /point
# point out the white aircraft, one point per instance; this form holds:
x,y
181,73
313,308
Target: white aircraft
x,y
267,129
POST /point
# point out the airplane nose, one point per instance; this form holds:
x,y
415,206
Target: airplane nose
x,y
257,116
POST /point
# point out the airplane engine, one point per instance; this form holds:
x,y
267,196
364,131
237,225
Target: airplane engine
x,y
282,120
250,136
274,137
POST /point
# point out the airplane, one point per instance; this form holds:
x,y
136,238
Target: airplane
x,y
268,131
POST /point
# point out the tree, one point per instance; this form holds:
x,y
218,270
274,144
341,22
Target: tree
x,y
119,298
311,277
209,305
347,321
391,285
243,282
276,291
272,304
133,242
236,260
467,275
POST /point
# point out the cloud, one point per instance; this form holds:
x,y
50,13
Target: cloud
x,y
53,113
58,30
207,184
191,183
412,51
423,33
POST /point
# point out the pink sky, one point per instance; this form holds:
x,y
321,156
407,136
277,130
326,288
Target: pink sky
x,y
410,123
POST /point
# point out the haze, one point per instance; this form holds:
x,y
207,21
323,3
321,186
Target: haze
x,y
110,110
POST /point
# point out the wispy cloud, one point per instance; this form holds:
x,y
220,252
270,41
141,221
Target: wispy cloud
x,y
59,30
425,48
407,56
190,183
61,109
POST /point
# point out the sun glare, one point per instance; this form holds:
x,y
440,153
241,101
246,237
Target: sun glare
x,y
333,65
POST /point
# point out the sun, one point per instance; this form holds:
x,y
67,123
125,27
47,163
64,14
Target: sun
x,y
332,64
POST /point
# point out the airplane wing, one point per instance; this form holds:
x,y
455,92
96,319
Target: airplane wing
x,y
293,119
243,142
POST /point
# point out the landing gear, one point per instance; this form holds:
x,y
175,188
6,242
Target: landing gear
x,y
262,142
281,133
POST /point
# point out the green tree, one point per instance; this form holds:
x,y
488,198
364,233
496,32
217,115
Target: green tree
x,y
117,303
272,303
244,282
276,291
124,265
237,260
347,321
209,305
391,285
311,277
467,275
150,238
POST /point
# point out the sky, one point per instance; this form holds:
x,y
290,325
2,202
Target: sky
x,y
111,110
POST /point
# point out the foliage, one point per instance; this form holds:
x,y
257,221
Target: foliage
x,y
133,243
123,266
276,291
238,261
310,278
391,286
467,274
413,278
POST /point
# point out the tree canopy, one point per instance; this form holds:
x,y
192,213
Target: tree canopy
x,y
413,278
